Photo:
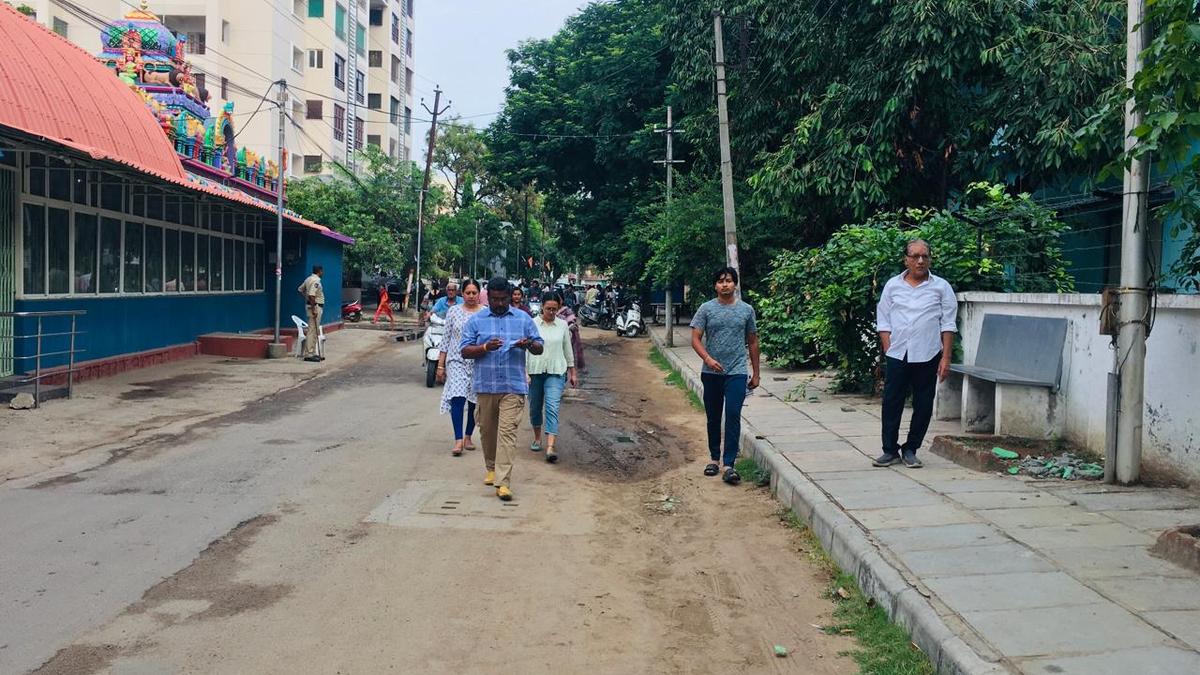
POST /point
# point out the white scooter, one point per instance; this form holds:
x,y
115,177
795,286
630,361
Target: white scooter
x,y
629,323
433,344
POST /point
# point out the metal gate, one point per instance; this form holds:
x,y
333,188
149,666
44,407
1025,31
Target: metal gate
x,y
8,272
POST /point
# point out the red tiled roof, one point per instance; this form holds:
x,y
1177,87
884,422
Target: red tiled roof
x,y
52,89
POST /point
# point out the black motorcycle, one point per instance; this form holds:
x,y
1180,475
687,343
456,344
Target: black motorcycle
x,y
599,313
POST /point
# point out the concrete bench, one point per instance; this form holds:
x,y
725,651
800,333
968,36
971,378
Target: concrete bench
x,y
1012,388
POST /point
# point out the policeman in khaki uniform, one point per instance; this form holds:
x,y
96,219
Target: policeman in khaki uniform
x,y
314,299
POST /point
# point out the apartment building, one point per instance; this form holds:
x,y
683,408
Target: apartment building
x,y
340,100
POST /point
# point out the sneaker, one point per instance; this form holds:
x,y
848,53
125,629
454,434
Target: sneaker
x,y
313,359
885,460
504,493
489,478
911,461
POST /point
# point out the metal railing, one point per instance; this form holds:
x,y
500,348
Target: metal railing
x,y
38,336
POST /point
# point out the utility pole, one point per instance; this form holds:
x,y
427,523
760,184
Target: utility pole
x,y
475,259
670,161
731,245
1133,311
281,100
525,232
437,99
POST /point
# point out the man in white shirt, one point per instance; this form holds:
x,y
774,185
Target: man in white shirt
x,y
915,318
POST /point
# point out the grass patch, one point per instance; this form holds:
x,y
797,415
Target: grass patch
x,y
749,470
884,648
674,378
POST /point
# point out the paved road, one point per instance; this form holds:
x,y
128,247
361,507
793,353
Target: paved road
x,y
328,530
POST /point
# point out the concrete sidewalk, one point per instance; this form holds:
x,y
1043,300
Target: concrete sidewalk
x,y
990,573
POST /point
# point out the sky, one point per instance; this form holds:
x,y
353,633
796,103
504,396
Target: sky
x,y
460,45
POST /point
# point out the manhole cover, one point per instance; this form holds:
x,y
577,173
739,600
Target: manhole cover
x,y
462,503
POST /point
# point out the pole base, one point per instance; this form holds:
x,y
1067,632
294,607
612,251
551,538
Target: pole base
x,y
276,350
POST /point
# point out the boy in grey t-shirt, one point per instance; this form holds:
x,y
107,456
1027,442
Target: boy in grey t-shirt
x,y
723,330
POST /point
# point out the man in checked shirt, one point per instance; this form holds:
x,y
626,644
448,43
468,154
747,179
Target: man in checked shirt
x,y
497,337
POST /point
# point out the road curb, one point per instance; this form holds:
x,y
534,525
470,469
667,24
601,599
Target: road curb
x,y
849,546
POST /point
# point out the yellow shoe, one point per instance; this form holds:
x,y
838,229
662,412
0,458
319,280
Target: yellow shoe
x,y
489,478
504,493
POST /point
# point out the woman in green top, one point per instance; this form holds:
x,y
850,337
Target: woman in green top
x,y
548,373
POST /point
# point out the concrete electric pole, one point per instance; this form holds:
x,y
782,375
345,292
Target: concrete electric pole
x,y
1133,311
731,245
670,161
437,99
276,350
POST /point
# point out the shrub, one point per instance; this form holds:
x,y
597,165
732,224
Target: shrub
x,y
820,306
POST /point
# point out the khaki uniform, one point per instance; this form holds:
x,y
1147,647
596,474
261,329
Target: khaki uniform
x,y
312,287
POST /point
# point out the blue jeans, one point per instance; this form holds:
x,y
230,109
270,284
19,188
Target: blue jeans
x,y
724,394
545,392
456,417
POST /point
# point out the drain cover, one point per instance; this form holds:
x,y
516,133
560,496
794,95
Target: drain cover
x,y
461,503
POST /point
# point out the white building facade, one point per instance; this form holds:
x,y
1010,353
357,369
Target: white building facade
x,y
348,65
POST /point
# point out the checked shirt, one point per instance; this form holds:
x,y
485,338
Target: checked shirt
x,y
501,371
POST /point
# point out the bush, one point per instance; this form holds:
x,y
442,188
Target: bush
x,y
821,302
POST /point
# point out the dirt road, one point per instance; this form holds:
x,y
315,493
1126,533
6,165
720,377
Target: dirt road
x,y
361,546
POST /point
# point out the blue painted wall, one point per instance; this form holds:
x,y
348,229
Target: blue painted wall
x,y
123,325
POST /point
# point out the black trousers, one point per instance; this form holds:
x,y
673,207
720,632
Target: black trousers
x,y
899,379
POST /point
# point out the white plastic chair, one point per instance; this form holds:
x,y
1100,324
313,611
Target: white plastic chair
x,y
301,333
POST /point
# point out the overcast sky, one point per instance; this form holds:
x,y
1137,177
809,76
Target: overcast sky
x,y
460,45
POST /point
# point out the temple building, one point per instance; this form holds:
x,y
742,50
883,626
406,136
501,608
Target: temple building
x,y
124,196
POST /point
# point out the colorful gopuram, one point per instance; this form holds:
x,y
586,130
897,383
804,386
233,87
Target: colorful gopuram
x,y
145,54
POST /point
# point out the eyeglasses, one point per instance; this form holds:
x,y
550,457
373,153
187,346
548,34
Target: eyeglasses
x,y
919,256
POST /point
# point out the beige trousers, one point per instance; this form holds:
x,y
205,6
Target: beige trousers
x,y
312,334
498,417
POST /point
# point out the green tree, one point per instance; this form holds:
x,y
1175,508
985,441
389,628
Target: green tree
x,y
1166,93
377,207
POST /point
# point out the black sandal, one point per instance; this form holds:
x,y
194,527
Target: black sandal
x,y
731,476
712,470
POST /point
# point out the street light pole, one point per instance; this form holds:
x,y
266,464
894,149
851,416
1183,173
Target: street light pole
x,y
670,161
475,259
282,101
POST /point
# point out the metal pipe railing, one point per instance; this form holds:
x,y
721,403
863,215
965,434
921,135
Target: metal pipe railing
x,y
37,355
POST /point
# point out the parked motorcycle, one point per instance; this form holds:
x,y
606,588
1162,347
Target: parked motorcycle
x,y
352,311
629,323
433,344
598,313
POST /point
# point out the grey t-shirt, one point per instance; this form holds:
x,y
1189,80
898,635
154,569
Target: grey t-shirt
x,y
726,329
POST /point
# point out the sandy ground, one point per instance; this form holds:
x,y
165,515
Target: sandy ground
x,y
388,555
114,413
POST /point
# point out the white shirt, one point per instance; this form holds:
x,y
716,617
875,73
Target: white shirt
x,y
916,316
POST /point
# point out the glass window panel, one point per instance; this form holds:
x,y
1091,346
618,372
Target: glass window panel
x,y
137,202
239,265
93,188
112,192
154,205
214,261
154,259
227,276
58,237
81,186
132,283
187,212
37,174
171,214
252,267
187,265
171,263
58,180
85,252
201,262
33,239
110,255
